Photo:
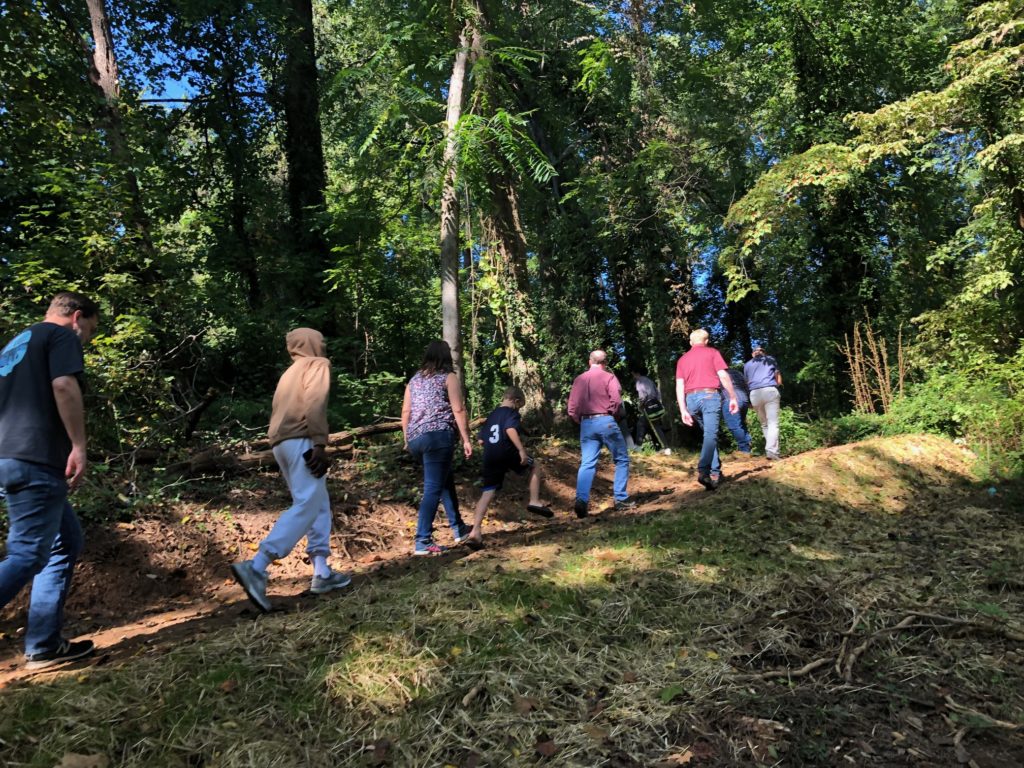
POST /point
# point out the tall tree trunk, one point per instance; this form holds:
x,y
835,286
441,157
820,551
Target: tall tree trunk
x,y
304,144
504,231
103,76
450,207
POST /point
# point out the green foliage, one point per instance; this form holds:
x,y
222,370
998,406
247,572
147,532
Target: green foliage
x,y
984,409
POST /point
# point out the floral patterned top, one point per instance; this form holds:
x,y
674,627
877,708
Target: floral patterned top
x,y
431,409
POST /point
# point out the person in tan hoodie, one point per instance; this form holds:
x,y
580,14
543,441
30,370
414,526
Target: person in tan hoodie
x,y
298,434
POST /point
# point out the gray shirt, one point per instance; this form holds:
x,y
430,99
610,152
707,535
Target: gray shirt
x,y
647,391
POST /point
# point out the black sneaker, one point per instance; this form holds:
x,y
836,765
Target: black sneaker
x,y
707,482
66,651
580,508
625,504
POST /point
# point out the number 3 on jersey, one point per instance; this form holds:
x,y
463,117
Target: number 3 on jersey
x,y
495,434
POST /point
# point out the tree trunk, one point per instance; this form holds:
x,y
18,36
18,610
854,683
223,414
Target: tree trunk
x,y
450,208
303,142
504,231
103,76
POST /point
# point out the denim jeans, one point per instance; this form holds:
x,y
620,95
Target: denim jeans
x,y
706,407
43,544
766,402
434,449
737,422
595,432
310,512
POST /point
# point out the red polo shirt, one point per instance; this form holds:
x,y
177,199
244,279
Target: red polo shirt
x,y
699,368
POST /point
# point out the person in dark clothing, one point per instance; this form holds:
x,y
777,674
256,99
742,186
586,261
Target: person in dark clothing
x,y
501,437
42,457
649,411
737,422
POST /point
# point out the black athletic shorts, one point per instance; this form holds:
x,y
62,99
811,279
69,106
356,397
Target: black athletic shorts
x,y
496,467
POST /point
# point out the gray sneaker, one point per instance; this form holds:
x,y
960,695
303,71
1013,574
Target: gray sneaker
x,y
253,582
337,580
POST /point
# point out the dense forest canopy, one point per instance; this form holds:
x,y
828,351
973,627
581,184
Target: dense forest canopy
x,y
532,179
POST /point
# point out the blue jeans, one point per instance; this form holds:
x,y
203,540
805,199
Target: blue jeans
x,y
737,422
434,449
595,432
43,545
705,407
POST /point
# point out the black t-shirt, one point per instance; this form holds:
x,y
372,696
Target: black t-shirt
x,y
494,433
30,425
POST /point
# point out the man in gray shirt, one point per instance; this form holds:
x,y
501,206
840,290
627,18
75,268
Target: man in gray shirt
x,y
649,410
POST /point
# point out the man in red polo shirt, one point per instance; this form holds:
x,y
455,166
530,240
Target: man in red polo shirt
x,y
700,375
594,402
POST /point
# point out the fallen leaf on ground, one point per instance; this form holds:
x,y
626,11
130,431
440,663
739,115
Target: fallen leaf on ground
x,y
228,686
596,732
668,694
629,677
74,760
545,746
525,704
680,758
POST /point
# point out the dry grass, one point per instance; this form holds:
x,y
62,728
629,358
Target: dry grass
x,y
859,606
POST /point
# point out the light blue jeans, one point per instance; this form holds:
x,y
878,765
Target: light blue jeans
x,y
595,432
706,408
43,545
310,512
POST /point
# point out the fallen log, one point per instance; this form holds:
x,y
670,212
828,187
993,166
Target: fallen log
x,y
217,460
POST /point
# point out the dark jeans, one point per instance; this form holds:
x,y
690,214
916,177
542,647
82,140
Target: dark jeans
x,y
43,545
706,408
737,422
434,449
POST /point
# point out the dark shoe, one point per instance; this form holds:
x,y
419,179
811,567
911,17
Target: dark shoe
x,y
625,504
706,481
539,509
322,584
253,582
429,550
580,508
461,534
716,480
65,652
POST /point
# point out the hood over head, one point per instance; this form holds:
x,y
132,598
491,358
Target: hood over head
x,y
305,342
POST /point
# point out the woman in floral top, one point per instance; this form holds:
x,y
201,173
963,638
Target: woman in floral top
x,y
431,411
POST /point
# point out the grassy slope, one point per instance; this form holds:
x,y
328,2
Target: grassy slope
x,y
628,642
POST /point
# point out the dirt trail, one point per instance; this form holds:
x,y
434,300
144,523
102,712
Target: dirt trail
x,y
143,587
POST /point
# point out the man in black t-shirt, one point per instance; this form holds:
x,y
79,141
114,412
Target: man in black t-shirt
x,y
504,452
42,455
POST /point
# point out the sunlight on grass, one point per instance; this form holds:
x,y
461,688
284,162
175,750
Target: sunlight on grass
x,y
810,553
381,674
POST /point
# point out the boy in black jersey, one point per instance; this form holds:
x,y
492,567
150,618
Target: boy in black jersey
x,y
504,451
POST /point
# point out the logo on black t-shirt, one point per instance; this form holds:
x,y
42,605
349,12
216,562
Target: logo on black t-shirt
x,y
14,352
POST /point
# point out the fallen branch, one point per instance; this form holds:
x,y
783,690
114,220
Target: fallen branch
x,y
806,669
856,652
961,709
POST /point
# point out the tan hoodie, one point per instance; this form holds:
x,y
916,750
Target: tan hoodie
x,y
300,401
